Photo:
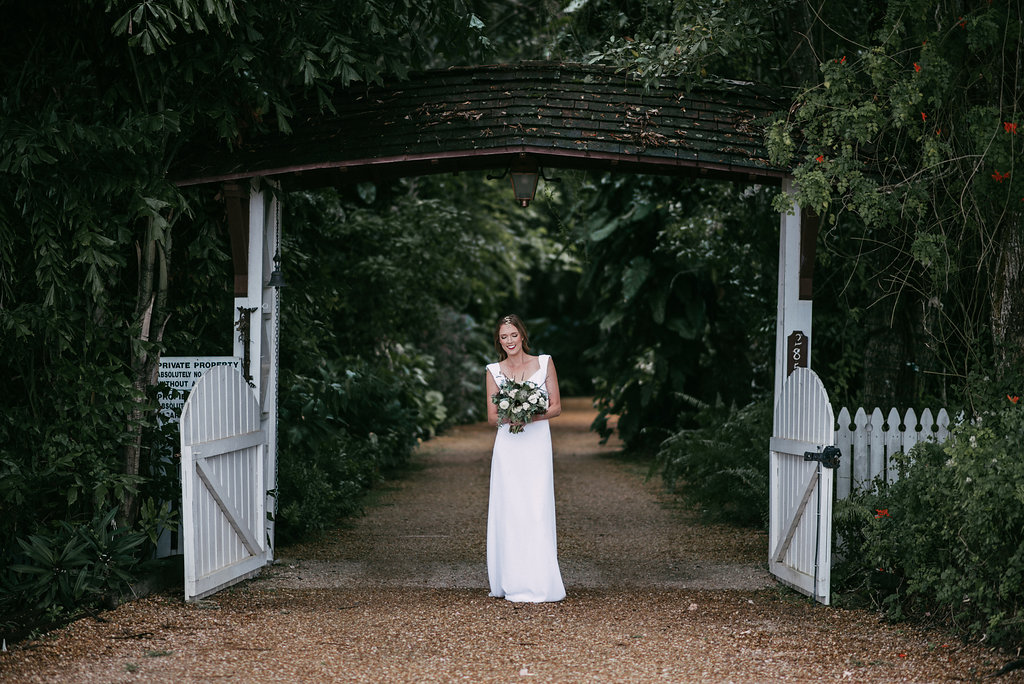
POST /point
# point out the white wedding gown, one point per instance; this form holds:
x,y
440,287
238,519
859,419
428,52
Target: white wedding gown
x,y
522,550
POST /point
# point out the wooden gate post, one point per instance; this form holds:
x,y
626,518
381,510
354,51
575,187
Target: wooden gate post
x,y
270,356
797,236
257,324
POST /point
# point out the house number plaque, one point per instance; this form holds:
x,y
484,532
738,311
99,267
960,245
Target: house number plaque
x,y
797,351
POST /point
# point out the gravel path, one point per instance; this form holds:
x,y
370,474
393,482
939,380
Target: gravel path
x,y
401,595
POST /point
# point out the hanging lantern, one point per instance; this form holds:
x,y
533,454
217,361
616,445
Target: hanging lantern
x,y
524,180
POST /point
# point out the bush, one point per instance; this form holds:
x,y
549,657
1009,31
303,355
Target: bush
x,y
947,538
341,431
63,569
722,466
461,350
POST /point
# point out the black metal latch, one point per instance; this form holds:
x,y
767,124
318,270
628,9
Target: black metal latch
x,y
829,456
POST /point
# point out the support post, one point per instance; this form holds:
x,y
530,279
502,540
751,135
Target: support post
x,y
270,332
254,287
258,320
793,322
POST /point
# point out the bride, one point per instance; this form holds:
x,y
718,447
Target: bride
x,y
522,553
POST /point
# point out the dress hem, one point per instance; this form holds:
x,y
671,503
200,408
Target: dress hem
x,y
514,600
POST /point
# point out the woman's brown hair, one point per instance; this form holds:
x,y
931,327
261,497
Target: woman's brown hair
x,y
513,320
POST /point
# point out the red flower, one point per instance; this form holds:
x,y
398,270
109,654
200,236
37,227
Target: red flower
x,y
842,60
923,116
917,67
1014,398
1010,127
881,512
1000,177
820,158
963,22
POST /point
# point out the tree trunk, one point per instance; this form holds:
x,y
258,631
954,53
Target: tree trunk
x,y
151,317
1007,312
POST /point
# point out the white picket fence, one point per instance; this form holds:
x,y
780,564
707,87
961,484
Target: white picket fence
x,y
868,441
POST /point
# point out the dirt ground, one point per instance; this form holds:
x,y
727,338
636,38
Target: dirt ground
x,y
400,595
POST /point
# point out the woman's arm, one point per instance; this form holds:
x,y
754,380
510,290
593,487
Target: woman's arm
x,y
492,408
554,397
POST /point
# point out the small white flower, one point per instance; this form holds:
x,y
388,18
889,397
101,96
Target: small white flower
x,y
534,398
503,405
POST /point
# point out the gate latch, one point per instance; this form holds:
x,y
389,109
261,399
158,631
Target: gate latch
x,y
829,456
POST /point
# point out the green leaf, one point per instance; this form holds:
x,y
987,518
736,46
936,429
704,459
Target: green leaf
x,y
606,230
634,277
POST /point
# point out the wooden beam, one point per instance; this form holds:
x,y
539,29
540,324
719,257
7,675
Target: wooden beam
x,y
809,223
236,203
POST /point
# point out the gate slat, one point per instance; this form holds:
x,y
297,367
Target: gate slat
x,y
844,440
860,450
876,446
943,422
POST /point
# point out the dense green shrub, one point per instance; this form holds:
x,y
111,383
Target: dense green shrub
x,y
722,466
680,295
65,568
340,431
946,539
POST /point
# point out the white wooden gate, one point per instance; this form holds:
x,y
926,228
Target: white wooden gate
x,y
800,499
223,483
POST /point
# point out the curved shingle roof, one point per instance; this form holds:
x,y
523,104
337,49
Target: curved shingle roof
x,y
483,117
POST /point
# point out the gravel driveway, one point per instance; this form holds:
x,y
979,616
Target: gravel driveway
x,y
401,595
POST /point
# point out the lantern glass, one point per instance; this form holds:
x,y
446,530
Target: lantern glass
x,y
524,185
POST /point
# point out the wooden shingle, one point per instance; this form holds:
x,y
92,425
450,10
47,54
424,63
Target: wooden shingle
x,y
471,118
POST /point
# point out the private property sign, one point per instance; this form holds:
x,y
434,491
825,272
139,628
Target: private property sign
x,y
178,374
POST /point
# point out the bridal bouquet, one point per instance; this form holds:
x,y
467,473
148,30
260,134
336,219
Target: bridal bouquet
x,y
519,402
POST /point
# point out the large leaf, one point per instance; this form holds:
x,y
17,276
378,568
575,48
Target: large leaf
x,y
634,277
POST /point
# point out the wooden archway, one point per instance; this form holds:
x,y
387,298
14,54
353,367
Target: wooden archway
x,y
488,117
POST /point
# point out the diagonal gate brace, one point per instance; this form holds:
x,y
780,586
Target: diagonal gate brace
x,y
233,518
780,552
